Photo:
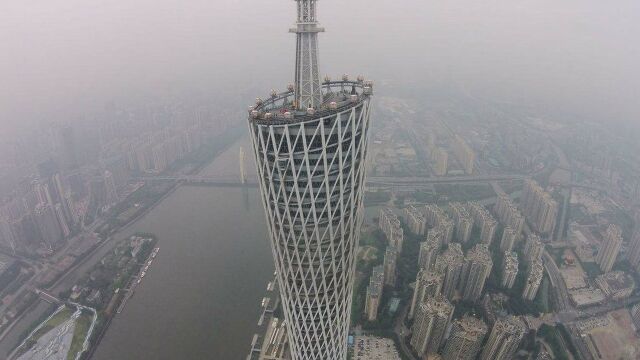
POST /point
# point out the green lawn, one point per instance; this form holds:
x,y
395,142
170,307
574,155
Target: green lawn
x,y
79,335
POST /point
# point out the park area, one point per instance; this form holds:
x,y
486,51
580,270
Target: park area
x,y
61,336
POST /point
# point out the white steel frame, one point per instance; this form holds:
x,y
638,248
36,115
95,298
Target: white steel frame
x,y
311,176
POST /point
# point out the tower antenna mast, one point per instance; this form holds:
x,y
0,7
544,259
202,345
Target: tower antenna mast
x,y
307,89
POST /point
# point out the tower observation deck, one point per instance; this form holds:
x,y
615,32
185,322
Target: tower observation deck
x,y
310,146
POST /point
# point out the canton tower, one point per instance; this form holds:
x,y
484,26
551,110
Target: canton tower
x,y
310,146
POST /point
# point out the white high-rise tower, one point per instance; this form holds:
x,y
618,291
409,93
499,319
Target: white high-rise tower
x,y
310,145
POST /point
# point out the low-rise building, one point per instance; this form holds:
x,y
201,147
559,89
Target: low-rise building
x,y
587,297
616,285
374,348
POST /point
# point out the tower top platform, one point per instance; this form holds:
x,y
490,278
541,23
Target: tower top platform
x,y
337,96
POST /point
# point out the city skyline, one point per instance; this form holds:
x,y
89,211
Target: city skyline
x,y
485,204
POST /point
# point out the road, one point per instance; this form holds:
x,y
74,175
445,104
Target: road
x,y
558,284
402,332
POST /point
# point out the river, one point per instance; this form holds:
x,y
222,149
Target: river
x,y
201,297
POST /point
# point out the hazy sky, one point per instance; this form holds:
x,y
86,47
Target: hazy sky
x,y
60,57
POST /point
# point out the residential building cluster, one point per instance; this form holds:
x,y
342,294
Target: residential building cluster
x,y
153,152
41,215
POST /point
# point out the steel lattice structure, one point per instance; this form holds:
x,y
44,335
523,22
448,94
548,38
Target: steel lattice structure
x,y
307,80
310,146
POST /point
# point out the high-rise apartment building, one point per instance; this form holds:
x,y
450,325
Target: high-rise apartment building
x,y
609,248
465,340
504,339
465,154
416,220
484,221
440,161
634,246
508,213
539,207
389,264
390,226
635,315
446,228
374,293
428,284
430,326
8,235
310,146
429,250
475,272
48,225
463,221
509,269
509,237
535,272
449,264
533,248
